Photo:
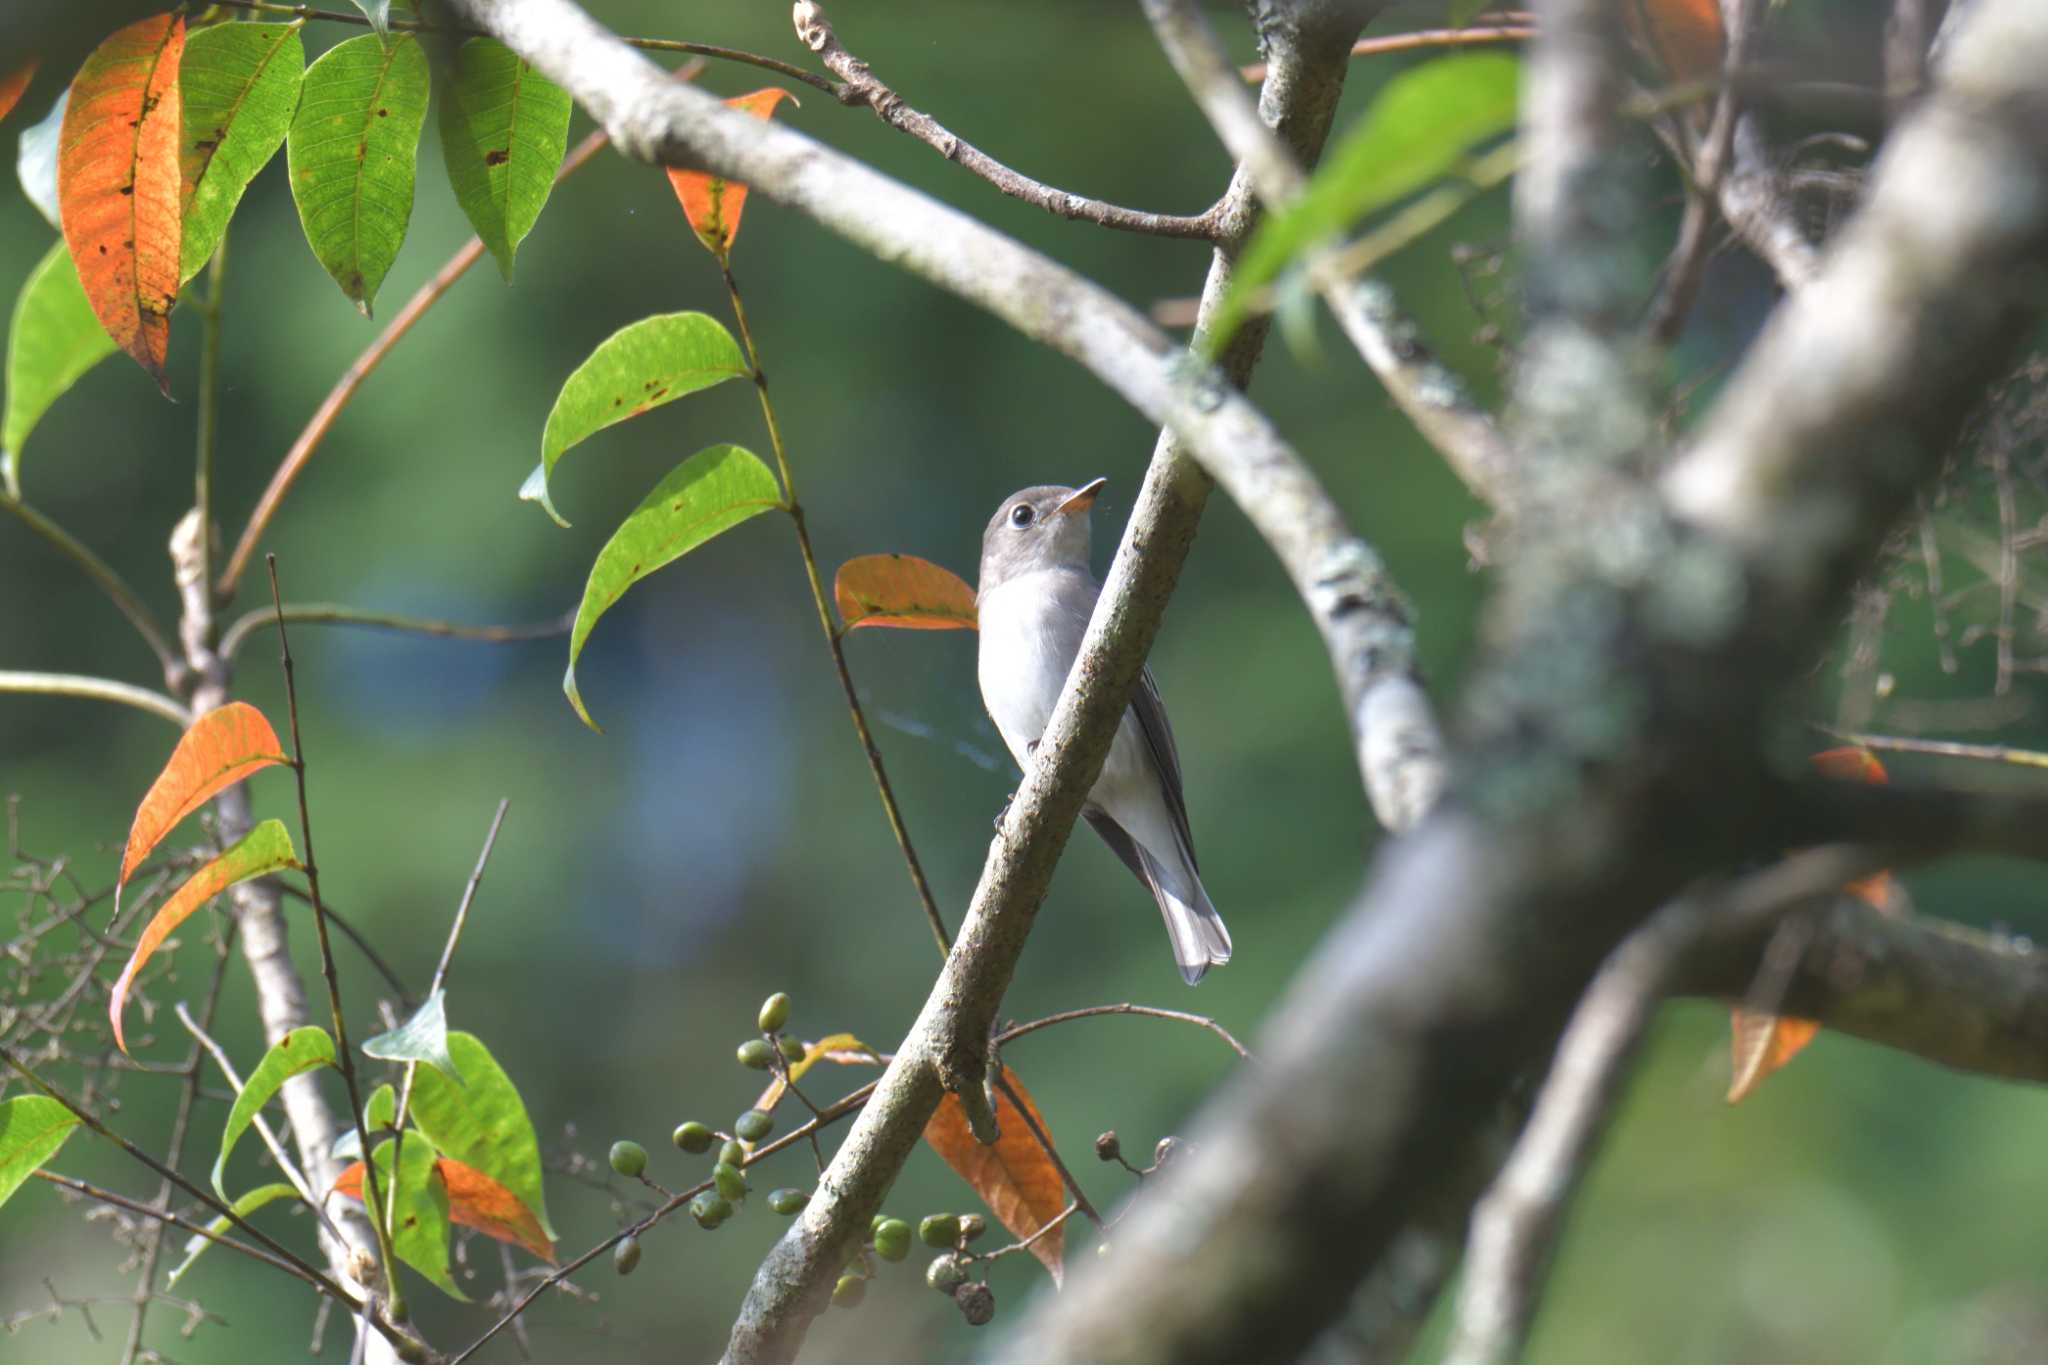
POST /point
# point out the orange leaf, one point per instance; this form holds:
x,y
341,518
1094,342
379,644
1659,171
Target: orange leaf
x,y
474,1201
842,1048
220,749
1761,1043
118,185
14,84
264,849
1015,1178
1684,36
711,202
903,591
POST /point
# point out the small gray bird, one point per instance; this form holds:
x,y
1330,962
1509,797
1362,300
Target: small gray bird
x,y
1035,597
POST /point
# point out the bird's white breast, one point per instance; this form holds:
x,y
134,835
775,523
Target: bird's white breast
x,y
1030,634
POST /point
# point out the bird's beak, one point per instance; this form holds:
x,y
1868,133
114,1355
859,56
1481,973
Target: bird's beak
x,y
1082,500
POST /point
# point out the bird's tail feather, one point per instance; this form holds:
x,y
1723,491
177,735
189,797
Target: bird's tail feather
x,y
1199,939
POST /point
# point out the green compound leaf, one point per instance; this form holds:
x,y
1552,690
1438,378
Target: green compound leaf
x,y
422,1038
53,340
300,1050
32,1128
1418,128
240,85
711,491
353,151
196,1245
639,367
504,128
482,1122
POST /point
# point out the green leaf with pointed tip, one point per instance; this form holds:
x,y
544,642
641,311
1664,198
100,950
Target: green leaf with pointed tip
x,y
711,491
380,1112
239,84
300,1050
504,128
1417,129
641,366
54,339
422,1038
32,1128
482,1122
353,150
419,1198
196,1245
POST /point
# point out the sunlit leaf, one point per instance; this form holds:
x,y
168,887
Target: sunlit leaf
x,y
263,850
240,85
14,84
842,1048
222,747
710,492
712,203
477,1201
300,1050
117,184
419,1232
504,127
36,162
1015,1178
482,1122
353,150
422,1038
53,340
1683,36
1417,129
639,367
1761,1043
32,1128
195,1245
902,591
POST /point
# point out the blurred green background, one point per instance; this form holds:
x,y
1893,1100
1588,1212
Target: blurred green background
x,y
721,841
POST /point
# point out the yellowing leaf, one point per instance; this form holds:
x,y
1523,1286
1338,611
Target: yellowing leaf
x,y
843,1048
118,189
711,202
264,849
474,1201
1015,1178
902,591
221,748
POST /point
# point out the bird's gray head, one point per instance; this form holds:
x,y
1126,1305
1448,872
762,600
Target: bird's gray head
x,y
1039,528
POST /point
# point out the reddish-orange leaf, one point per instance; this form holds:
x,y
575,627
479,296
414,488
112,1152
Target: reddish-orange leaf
x,y
13,84
1761,1043
711,202
474,1201
903,591
263,850
1015,1178
118,186
220,749
1684,36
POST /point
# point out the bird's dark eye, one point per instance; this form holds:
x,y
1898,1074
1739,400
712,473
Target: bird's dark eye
x,y
1020,515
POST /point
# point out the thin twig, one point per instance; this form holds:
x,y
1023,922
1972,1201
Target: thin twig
x,y
862,86
724,54
1045,1144
99,571
1143,1011
1513,28
1058,1220
1943,748
208,422
406,998
832,636
338,614
263,1128
1688,261
97,689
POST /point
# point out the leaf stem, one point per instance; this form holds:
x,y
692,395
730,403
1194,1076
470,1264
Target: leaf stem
x,y
98,689
340,614
394,1297
832,635
99,571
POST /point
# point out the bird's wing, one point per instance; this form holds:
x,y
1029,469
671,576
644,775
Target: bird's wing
x,y
1119,841
1151,713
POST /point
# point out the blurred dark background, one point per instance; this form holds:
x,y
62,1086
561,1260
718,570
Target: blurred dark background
x,y
721,841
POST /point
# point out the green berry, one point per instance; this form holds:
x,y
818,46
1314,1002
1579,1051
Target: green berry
x,y
792,1050
972,1225
731,1181
629,1158
709,1210
786,1201
941,1230
947,1273
875,1224
850,1290
754,1125
626,1255
892,1239
774,1012
693,1137
756,1054
732,1154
